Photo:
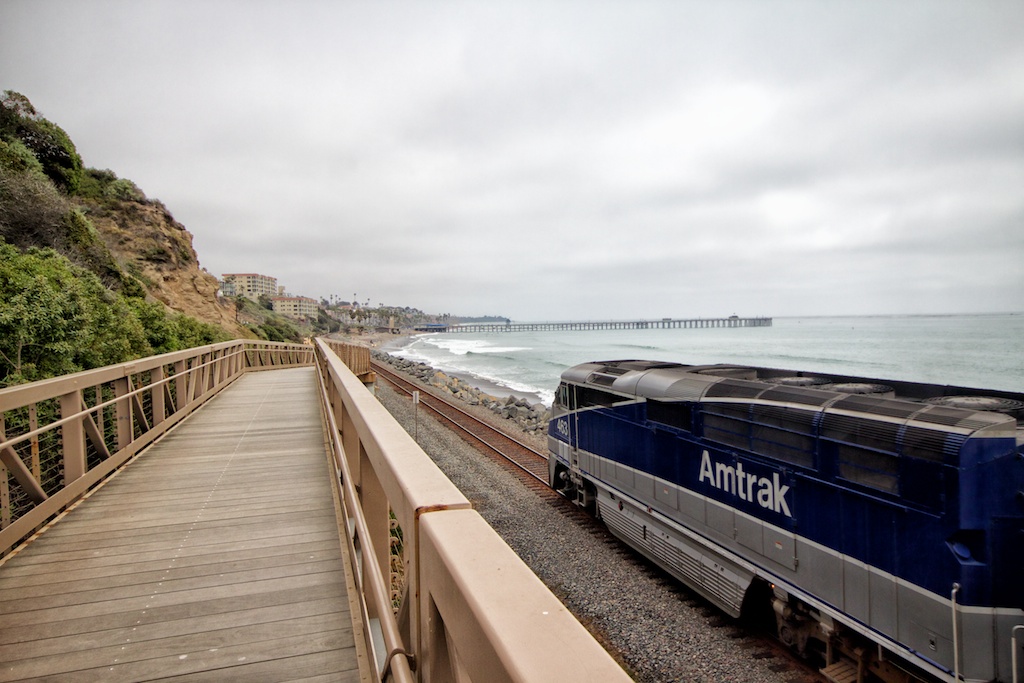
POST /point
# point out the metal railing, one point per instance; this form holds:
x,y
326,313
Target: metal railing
x,y
469,609
61,436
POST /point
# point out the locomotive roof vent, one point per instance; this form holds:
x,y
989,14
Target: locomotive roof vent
x,y
603,379
798,381
862,388
731,371
990,403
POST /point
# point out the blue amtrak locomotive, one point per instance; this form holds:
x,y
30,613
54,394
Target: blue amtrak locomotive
x,y
880,522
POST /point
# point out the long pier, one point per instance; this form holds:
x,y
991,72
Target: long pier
x,y
663,323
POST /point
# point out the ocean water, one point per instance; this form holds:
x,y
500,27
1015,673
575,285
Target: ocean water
x,y
979,351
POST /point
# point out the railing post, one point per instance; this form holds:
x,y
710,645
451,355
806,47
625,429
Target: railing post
x,y
72,435
156,394
180,385
1013,650
123,410
203,377
33,424
223,369
5,492
5,495
349,440
374,502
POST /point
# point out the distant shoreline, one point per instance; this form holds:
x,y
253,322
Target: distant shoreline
x,y
387,343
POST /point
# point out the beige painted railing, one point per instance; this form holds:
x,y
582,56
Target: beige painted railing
x,y
59,437
356,357
470,609
454,603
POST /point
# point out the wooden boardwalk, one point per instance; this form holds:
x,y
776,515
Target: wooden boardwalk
x,y
214,557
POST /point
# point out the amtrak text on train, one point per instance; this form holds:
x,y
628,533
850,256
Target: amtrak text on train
x,y
768,493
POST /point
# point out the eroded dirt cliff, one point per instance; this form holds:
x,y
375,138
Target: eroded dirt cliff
x,y
148,243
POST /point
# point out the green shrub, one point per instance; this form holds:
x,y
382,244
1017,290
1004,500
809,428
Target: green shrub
x,y
57,318
79,230
16,157
47,141
94,183
125,190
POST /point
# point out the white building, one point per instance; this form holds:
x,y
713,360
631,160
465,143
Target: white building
x,y
295,306
249,285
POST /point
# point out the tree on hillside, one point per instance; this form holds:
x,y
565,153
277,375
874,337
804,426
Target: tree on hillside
x,y
66,303
48,142
57,318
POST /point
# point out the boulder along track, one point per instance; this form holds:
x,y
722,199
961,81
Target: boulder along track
x,y
531,463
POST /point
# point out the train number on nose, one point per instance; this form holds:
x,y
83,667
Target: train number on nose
x,y
563,427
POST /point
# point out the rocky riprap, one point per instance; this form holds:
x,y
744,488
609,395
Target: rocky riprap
x,y
531,418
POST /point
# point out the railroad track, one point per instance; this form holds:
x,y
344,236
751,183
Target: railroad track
x,y
530,465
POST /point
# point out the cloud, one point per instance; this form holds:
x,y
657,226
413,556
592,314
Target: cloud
x,y
567,159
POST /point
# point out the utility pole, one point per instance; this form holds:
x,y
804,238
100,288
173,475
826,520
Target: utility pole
x,y
416,415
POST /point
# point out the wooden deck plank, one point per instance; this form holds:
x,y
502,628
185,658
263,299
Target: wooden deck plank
x,y
54,572
42,583
94,560
168,584
194,611
237,526
304,669
78,658
219,659
214,556
153,524
95,638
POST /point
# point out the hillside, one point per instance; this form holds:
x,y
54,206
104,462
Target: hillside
x,y
146,242
92,271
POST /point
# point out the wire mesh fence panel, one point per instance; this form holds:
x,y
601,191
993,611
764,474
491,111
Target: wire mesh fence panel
x,y
58,431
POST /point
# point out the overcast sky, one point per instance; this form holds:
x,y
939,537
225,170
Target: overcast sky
x,y
562,160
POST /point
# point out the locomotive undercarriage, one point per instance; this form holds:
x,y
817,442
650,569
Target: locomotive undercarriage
x,y
842,654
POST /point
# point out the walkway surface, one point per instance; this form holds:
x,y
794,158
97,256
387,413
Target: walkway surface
x,y
215,556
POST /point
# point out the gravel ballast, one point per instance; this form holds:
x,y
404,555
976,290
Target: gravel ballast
x,y
657,629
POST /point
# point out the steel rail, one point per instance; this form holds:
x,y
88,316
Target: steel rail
x,y
470,422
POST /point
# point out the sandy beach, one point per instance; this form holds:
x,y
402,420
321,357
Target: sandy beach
x,y
375,340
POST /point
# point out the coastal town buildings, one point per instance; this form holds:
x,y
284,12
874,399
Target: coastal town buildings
x,y
249,285
295,306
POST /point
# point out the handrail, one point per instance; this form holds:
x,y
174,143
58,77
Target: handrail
x,y
471,610
374,595
956,631
356,357
61,436
99,406
1013,650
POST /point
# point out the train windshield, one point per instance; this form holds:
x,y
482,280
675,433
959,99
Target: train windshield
x,y
562,395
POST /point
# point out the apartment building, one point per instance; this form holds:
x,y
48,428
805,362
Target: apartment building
x,y
295,306
249,285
